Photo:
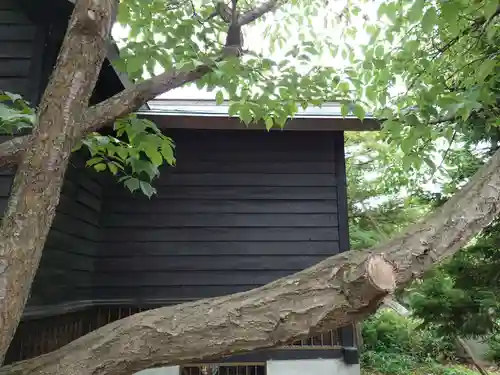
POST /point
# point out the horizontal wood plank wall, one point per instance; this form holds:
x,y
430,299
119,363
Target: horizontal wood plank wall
x,y
239,210
66,268
67,265
17,37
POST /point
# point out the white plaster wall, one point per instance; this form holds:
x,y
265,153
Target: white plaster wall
x,y
171,370
312,367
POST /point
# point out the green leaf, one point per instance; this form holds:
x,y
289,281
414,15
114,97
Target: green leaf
x,y
132,184
155,156
429,20
486,68
100,167
11,96
269,123
416,10
234,109
134,64
344,109
359,111
93,161
344,87
147,189
168,154
113,168
407,144
219,97
245,115
490,8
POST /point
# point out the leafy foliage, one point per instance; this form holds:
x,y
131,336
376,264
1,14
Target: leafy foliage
x,y
15,113
134,154
493,353
432,72
272,80
393,344
383,197
389,332
401,364
462,296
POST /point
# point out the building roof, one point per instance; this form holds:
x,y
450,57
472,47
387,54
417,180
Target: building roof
x,y
208,107
187,113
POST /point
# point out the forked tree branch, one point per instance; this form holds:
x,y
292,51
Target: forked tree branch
x,y
109,110
335,292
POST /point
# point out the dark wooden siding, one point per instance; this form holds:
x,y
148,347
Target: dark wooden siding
x,y
66,269
17,41
6,177
239,210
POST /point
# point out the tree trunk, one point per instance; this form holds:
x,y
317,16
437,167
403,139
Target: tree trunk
x,y
338,291
37,184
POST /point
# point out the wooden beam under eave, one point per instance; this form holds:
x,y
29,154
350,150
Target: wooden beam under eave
x,y
234,123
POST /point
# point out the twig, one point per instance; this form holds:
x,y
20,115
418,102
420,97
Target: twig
x,y
452,140
257,12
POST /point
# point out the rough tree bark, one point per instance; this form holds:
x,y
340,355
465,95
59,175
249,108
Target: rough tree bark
x,y
340,290
37,184
330,294
42,157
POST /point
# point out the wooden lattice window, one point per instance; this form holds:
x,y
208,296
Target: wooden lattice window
x,y
224,369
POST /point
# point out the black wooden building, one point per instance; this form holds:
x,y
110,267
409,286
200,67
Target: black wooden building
x,y
242,207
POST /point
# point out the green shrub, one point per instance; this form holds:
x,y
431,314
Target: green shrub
x,y
381,363
387,363
388,332
493,353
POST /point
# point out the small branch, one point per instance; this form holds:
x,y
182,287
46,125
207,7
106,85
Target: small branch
x,y
476,24
490,20
482,58
443,119
251,15
445,155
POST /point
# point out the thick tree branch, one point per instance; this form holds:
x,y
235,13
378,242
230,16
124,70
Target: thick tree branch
x,y
38,181
319,297
132,98
340,290
259,11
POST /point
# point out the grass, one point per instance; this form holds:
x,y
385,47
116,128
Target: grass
x,y
376,363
